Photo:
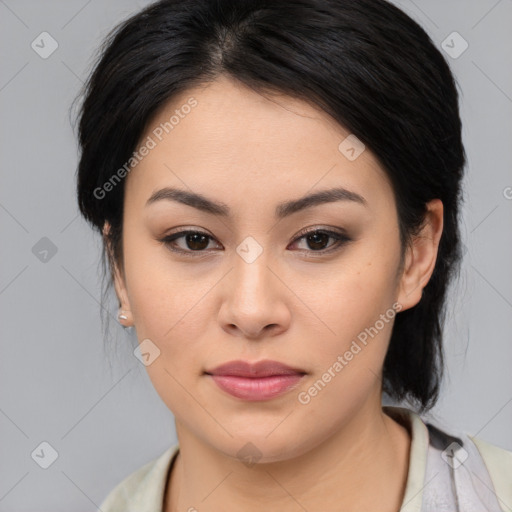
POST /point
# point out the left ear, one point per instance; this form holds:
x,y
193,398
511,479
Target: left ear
x,y
420,259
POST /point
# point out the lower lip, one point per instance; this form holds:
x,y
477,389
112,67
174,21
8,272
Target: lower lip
x,y
253,389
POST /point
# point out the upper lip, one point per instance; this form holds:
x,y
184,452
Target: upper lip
x,y
264,368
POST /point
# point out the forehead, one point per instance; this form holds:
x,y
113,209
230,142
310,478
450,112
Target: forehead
x,y
223,137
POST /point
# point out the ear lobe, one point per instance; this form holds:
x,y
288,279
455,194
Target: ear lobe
x,y
421,257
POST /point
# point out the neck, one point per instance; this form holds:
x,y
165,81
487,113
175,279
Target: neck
x,y
361,467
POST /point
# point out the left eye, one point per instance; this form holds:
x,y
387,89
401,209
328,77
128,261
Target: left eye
x,y
198,241
316,239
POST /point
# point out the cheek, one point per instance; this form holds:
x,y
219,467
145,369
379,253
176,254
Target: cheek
x,y
173,309
163,294
348,359
353,296
170,308
355,316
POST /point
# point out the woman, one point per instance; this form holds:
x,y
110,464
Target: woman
x,y
278,187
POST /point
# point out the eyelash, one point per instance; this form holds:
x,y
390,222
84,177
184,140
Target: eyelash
x,y
341,240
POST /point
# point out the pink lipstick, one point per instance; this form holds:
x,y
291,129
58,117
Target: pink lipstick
x,y
255,381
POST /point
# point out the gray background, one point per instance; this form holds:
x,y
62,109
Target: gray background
x,y
56,384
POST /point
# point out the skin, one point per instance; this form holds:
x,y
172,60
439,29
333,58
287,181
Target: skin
x,y
340,451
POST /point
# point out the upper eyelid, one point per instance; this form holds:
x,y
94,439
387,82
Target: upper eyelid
x,y
301,234
341,235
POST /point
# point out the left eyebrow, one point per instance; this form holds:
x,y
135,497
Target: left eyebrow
x,y
283,209
323,196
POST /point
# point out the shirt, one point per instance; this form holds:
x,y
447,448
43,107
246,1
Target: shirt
x,y
447,472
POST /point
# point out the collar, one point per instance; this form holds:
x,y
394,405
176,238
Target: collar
x,y
413,496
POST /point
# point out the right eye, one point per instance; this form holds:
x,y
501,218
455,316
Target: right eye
x,y
195,241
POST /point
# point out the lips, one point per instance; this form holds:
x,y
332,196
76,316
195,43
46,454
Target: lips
x,y
259,381
260,369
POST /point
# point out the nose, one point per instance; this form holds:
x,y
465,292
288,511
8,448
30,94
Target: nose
x,y
254,300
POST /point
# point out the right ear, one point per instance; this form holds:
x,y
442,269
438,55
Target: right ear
x,y
125,313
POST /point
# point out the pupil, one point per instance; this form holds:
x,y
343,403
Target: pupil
x,y
196,241
313,241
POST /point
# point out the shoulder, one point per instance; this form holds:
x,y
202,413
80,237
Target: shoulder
x,y
449,466
120,495
143,489
499,465
479,471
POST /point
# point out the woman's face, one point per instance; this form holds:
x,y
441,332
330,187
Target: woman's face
x,y
255,288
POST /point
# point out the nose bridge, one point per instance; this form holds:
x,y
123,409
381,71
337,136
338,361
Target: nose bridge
x,y
253,299
251,272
